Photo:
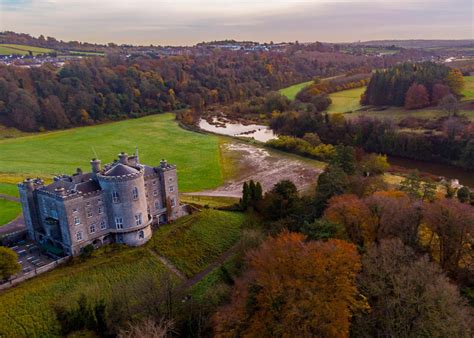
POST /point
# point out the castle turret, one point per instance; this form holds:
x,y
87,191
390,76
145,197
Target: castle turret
x,y
95,166
123,158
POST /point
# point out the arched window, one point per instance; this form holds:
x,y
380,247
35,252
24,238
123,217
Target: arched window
x,y
141,234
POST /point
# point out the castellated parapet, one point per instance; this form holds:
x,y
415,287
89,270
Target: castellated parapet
x,y
118,203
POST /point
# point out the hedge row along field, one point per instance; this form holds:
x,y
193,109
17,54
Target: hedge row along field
x,y
157,137
193,242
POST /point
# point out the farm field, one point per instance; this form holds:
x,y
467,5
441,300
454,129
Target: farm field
x,y
9,210
8,49
196,155
468,91
346,100
292,91
193,242
27,310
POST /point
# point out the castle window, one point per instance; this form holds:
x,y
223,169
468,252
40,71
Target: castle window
x,y
157,205
54,213
100,210
170,179
154,182
120,238
92,228
119,222
88,204
103,225
173,202
141,234
115,197
79,235
135,193
138,219
99,201
75,210
89,212
155,192
77,221
171,188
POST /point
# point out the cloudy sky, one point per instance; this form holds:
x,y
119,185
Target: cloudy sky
x,y
179,22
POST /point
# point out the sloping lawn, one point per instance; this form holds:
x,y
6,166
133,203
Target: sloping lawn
x,y
346,100
157,136
27,309
9,189
195,241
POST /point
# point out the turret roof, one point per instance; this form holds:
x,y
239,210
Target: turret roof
x,y
120,169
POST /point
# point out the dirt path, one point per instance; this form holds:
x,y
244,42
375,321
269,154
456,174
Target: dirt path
x,y
265,166
10,198
168,264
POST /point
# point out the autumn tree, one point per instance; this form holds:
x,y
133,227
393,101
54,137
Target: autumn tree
x,y
354,216
408,296
455,81
449,105
294,288
417,97
8,263
439,92
373,164
451,224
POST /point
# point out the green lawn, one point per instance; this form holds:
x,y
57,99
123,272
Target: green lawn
x,y
9,189
346,100
195,241
290,92
197,156
9,210
7,49
468,91
191,243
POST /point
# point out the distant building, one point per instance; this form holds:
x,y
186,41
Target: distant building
x,y
118,203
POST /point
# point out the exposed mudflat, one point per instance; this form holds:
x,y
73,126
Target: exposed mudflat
x,y
265,166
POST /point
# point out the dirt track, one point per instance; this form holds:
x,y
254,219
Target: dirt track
x,y
265,166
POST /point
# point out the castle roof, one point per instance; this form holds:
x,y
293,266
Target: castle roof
x,y
120,170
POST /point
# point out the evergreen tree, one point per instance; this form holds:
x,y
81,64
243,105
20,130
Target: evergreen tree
x,y
245,196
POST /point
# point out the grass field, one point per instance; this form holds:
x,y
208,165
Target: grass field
x,y
398,113
290,92
196,155
9,210
211,201
346,100
8,49
194,241
468,91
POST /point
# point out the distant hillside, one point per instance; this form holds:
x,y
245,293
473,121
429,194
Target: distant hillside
x,y
419,43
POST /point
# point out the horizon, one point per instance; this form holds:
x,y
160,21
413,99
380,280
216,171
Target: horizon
x,y
188,22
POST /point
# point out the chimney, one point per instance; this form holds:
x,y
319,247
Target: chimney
x,y
95,165
163,163
123,158
29,184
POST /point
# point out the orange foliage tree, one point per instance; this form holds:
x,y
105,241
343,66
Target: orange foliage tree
x,y
417,97
294,288
352,213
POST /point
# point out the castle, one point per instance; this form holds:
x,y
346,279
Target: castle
x,y
118,203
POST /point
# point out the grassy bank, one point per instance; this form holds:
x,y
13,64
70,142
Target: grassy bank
x,y
194,241
346,100
157,137
8,49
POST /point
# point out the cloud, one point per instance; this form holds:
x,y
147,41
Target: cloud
x,y
191,21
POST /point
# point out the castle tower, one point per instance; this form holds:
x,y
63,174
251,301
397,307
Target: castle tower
x,y
124,188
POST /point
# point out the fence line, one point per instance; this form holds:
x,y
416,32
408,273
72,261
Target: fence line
x,y
37,271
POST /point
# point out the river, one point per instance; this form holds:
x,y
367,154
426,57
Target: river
x,y
226,127
444,170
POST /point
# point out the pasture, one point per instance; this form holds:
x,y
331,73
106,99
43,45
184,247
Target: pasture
x,y
9,189
8,49
292,91
468,91
197,156
346,100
